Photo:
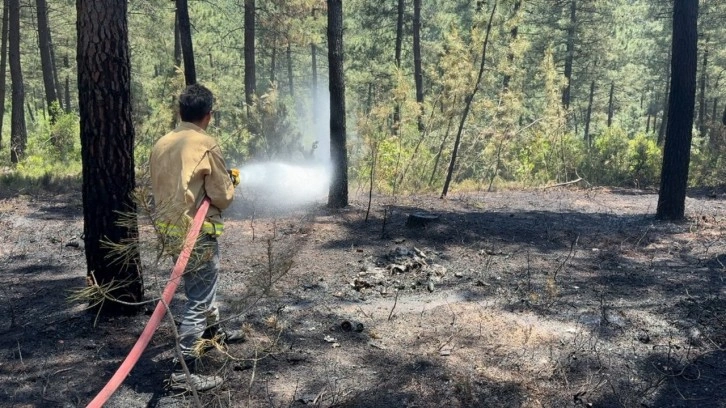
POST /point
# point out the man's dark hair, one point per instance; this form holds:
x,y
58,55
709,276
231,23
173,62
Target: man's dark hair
x,y
195,102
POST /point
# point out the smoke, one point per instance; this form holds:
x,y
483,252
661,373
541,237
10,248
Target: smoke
x,y
321,124
272,187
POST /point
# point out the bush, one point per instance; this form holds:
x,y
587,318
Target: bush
x,y
53,150
618,160
545,158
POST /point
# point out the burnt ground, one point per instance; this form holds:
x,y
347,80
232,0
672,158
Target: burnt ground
x,y
541,298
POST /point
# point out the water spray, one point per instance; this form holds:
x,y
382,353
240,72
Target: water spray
x,y
284,185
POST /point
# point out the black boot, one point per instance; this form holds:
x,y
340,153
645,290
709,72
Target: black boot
x,y
223,336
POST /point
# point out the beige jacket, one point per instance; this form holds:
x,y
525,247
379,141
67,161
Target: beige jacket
x,y
187,164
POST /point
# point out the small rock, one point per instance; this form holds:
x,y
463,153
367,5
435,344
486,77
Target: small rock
x,y
330,339
694,336
458,274
430,286
643,337
445,351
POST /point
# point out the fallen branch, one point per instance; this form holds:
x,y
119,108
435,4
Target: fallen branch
x,y
563,184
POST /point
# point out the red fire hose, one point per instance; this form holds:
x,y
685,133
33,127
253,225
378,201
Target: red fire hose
x,y
159,312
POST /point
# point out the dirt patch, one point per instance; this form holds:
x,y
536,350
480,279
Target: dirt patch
x,y
549,298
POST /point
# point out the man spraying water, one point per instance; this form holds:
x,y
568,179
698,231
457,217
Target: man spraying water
x,y
186,166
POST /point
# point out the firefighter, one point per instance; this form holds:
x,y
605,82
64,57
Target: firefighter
x,y
187,165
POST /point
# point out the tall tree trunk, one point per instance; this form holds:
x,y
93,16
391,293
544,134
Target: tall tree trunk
x,y
338,195
513,33
715,109
611,108
273,60
569,54
54,63
399,32
314,90
107,143
702,95
417,71
250,79
666,103
46,62
467,106
589,114
369,98
3,65
177,40
289,70
397,57
31,111
677,150
441,149
18,132
67,104
185,34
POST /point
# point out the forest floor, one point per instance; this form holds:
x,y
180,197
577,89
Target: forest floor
x,y
539,298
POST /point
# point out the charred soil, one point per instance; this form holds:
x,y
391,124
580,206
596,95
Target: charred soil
x,y
537,298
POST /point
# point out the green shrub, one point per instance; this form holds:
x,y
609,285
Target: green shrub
x,y
616,159
546,158
644,159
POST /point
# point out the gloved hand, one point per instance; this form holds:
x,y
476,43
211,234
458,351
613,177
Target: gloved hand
x,y
234,175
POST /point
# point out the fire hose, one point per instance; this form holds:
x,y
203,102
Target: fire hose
x,y
159,312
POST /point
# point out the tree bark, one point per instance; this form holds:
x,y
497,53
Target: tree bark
x,y
715,109
67,103
18,132
289,70
399,32
441,149
702,95
250,79
589,114
314,91
610,104
666,102
569,54
677,150
417,71
54,64
3,66
467,106
107,142
177,40
273,60
185,34
397,60
338,195
46,62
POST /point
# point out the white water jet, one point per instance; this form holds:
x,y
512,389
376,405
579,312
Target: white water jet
x,y
284,185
